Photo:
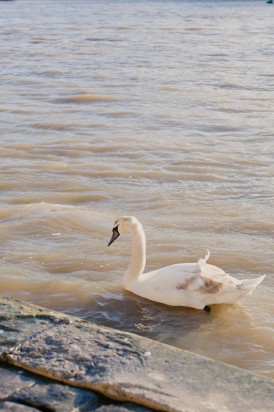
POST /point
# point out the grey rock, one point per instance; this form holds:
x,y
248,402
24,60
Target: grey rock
x,y
129,368
123,407
14,331
15,407
19,321
22,388
112,408
12,381
56,398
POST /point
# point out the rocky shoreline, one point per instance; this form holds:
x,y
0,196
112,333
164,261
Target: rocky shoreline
x,y
50,361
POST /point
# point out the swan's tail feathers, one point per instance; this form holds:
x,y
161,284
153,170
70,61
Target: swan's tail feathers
x,y
248,285
207,256
203,261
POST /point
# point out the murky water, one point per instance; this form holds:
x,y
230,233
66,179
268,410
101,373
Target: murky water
x,y
163,110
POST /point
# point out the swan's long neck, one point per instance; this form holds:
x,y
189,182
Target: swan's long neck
x,y
138,257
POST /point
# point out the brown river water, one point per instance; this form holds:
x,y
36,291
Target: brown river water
x,y
158,109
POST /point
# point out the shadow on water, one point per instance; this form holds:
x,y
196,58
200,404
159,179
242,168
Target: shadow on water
x,y
172,325
131,313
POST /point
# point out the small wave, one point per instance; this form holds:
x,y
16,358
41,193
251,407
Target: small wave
x,y
236,86
103,39
85,98
121,114
196,28
38,40
53,126
170,89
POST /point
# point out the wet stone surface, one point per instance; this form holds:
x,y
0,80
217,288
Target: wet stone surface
x,y
15,407
12,380
24,391
79,366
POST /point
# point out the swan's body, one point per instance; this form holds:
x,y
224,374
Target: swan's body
x,y
196,285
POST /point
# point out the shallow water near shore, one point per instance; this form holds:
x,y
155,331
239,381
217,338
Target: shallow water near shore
x,y
162,110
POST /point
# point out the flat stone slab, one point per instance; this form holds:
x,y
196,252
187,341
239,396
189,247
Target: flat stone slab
x,y
15,407
123,366
11,381
20,389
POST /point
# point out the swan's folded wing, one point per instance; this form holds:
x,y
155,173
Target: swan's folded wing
x,y
173,274
215,274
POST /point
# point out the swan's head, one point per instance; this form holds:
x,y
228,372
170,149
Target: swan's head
x,y
122,225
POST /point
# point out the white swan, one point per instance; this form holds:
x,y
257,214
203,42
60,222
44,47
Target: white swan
x,y
196,285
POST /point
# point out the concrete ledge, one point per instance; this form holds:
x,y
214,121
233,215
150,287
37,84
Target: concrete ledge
x,y
120,366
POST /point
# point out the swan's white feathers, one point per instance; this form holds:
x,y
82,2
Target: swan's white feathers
x,y
185,284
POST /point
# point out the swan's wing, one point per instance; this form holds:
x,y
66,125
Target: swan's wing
x,y
197,277
215,274
179,276
203,280
190,277
188,284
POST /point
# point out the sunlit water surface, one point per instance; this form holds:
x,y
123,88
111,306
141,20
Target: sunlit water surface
x,y
163,110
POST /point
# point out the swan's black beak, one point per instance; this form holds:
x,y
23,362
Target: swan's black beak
x,y
115,234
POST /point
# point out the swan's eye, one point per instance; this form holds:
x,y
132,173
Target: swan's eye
x,y
115,234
